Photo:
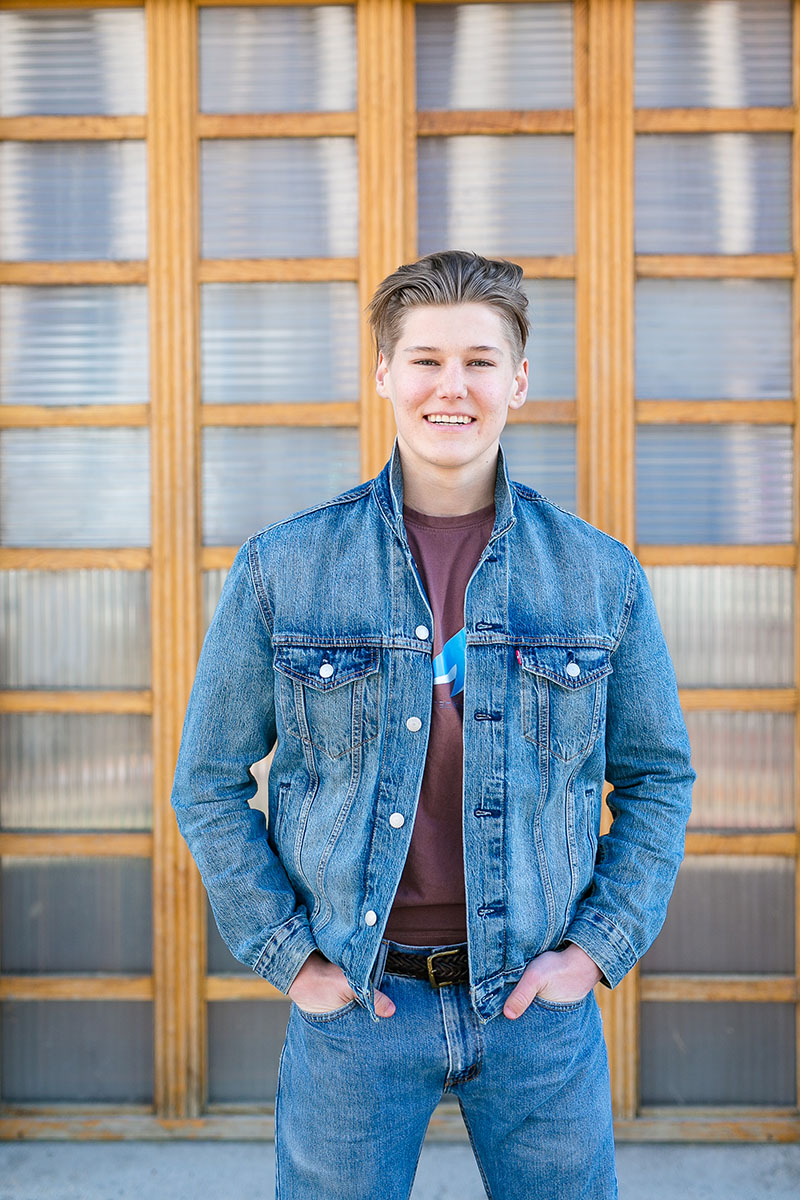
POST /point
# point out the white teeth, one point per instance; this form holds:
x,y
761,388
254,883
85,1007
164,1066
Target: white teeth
x,y
444,419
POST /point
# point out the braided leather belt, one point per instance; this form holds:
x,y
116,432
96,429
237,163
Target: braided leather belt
x,y
440,968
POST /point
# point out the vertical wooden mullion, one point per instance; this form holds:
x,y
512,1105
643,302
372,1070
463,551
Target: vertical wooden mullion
x,y
178,907
605,401
795,218
386,185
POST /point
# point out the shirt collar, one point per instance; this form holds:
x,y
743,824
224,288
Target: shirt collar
x,y
389,488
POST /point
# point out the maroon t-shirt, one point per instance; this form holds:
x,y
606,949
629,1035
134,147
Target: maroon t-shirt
x,y
429,908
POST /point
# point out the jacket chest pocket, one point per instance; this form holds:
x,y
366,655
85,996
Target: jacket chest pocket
x,y
328,695
563,696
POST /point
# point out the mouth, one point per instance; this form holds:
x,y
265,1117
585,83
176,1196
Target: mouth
x,y
449,419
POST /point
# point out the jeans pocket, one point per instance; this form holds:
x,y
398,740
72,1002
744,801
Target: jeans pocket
x,y
561,1005
320,1018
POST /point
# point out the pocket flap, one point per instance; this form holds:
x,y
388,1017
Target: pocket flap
x,y
568,666
326,667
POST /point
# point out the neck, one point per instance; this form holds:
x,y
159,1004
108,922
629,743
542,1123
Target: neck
x,y
445,494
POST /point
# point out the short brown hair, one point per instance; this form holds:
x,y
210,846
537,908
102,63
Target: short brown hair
x,y
450,277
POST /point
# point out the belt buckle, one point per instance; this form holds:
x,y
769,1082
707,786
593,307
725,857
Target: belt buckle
x,y
429,963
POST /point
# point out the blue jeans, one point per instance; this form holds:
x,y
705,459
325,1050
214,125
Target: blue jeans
x,y
355,1096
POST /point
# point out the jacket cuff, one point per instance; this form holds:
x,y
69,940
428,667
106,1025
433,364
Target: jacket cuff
x,y
285,953
604,943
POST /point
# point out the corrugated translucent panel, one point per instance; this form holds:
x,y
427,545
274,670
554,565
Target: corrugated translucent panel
x,y
72,62
76,914
212,589
277,59
543,457
713,53
74,629
75,771
252,477
496,195
265,342
235,1027
713,339
73,345
75,487
717,1053
279,197
745,770
551,345
714,483
494,56
73,200
727,626
713,193
55,1050
729,915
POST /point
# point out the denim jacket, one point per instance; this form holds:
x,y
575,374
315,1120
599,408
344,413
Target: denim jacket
x,y
321,646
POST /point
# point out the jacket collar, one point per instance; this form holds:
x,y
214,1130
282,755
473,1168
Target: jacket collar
x,y
389,492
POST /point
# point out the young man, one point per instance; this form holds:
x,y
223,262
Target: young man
x,y
448,666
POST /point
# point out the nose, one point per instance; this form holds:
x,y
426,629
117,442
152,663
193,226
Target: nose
x,y
452,382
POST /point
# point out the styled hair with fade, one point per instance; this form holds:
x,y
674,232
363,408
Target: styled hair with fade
x,y
450,277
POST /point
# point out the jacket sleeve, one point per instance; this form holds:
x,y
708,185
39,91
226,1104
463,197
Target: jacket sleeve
x,y
229,725
648,764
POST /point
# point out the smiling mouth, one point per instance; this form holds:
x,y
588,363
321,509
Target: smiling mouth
x,y
448,419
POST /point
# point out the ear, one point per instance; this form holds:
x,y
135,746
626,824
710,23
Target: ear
x,y
520,392
381,371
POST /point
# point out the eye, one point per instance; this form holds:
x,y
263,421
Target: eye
x,y
481,362
424,362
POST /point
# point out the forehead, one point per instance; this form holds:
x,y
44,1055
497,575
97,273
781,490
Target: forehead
x,y
453,325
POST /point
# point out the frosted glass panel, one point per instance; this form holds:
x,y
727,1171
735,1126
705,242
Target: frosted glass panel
x,y
72,62
278,342
728,915
212,590
76,914
73,345
727,626
75,487
716,1053
73,200
496,195
75,771
244,1048
713,339
62,629
713,193
551,345
279,197
96,1050
713,53
745,770
494,56
252,477
543,457
714,483
277,59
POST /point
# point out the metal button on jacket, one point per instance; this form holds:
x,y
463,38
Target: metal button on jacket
x,y
397,820
326,670
573,669
422,632
414,724
370,918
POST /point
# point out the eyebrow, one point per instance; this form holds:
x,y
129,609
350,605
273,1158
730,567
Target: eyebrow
x,y
436,349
